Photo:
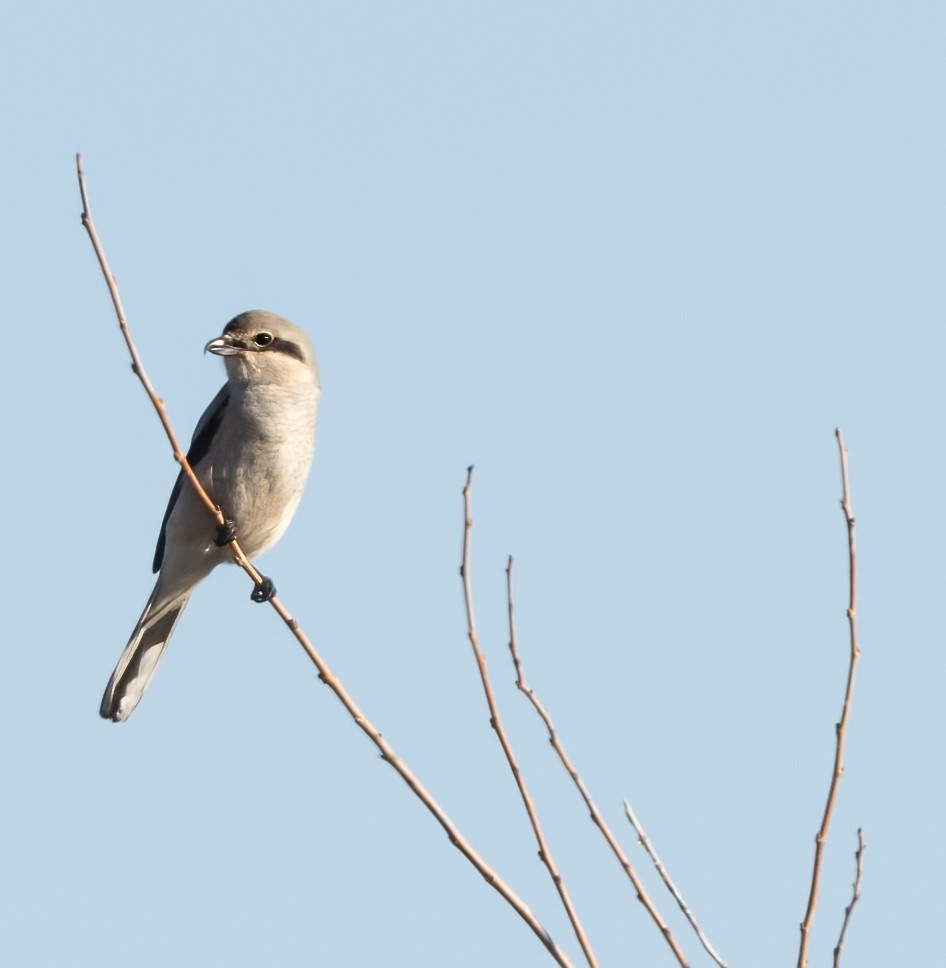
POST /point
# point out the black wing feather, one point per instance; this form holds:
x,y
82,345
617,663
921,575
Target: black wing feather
x,y
204,434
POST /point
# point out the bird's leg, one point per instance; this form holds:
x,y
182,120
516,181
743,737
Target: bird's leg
x,y
264,590
226,534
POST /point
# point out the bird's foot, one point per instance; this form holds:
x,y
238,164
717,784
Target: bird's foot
x,y
226,534
264,590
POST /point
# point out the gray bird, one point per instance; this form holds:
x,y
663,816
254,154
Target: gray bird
x,y
251,451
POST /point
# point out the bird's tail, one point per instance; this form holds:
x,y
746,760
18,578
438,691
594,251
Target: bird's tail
x,y
140,658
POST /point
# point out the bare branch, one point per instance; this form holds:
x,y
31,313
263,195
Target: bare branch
x,y
855,897
136,364
545,855
841,728
325,674
665,876
596,816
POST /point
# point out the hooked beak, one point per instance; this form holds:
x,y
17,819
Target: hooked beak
x,y
224,346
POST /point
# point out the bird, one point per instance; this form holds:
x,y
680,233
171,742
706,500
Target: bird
x,y
251,451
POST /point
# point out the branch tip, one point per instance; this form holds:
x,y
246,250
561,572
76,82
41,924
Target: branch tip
x,y
841,725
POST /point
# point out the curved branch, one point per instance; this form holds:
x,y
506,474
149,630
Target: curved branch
x,y
841,728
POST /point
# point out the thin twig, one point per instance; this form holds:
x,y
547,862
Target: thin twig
x,y
325,674
855,897
136,363
665,876
596,817
841,727
545,855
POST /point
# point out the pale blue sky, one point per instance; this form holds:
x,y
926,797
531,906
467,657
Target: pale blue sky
x,y
634,261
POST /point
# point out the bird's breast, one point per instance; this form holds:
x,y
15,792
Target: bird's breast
x,y
261,464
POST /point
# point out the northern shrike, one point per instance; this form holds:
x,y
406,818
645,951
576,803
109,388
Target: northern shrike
x,y
251,452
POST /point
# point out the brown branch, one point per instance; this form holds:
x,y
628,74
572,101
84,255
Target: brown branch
x,y
665,877
139,371
841,727
596,817
325,674
545,855
136,364
855,897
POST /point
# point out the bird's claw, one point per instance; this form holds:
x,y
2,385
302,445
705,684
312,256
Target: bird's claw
x,y
263,591
226,534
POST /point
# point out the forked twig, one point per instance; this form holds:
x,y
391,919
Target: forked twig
x,y
665,877
841,727
325,674
596,817
545,855
855,897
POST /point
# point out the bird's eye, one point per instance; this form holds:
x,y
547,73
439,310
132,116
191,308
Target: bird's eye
x,y
263,339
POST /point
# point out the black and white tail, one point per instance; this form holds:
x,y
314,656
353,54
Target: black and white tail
x,y
140,658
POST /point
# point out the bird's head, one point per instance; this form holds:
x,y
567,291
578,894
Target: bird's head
x,y
260,347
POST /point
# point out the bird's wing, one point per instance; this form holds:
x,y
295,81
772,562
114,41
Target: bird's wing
x,y
201,442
